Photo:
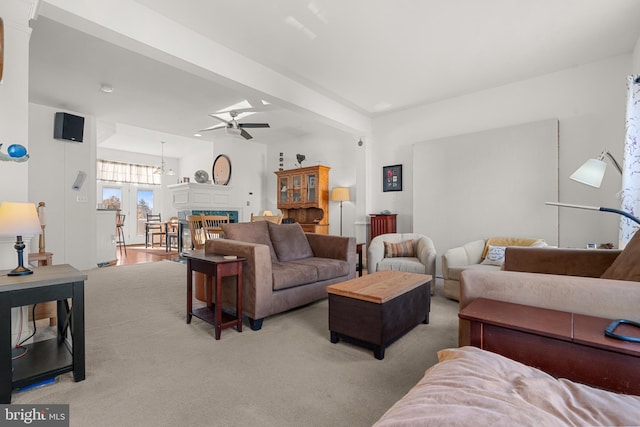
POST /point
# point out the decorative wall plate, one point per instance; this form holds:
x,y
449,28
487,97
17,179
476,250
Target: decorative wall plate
x,y
221,170
201,176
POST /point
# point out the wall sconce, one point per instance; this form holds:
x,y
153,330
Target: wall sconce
x,y
340,194
19,219
592,171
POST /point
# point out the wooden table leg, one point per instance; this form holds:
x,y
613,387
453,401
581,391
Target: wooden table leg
x,y
218,306
189,290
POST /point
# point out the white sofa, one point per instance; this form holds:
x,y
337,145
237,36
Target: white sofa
x,y
471,255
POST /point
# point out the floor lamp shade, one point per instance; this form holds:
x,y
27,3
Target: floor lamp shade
x,y
340,194
19,219
590,173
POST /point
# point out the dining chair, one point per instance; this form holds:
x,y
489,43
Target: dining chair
x,y
276,219
171,236
153,228
198,235
212,225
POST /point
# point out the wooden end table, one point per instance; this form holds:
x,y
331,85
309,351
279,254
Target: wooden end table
x,y
563,344
216,266
376,309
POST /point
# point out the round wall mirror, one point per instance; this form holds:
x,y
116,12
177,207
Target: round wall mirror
x,y
221,170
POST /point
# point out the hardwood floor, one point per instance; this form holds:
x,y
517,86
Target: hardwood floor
x,y
136,254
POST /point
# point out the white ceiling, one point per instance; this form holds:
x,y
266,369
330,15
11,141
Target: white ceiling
x,y
373,56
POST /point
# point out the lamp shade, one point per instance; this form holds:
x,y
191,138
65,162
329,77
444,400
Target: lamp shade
x,y
19,219
590,173
340,194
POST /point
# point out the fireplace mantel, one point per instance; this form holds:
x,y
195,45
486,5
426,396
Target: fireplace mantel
x,y
191,195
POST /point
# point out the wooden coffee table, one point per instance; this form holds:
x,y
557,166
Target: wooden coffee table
x,y
376,309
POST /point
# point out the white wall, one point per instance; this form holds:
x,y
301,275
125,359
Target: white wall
x,y
341,153
248,160
14,91
53,167
589,102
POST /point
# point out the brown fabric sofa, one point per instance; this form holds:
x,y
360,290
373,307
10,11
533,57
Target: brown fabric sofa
x,y
285,268
559,279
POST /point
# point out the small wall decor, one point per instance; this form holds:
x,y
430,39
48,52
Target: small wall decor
x,y
221,170
392,178
15,153
281,158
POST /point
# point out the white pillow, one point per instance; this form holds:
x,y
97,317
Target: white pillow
x,y
495,255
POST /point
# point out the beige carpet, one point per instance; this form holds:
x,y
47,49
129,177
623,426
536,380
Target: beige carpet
x,y
147,367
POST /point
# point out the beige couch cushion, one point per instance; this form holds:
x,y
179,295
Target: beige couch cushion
x,y
250,232
288,274
326,268
289,241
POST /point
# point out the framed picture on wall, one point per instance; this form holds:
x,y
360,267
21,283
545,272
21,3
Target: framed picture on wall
x,y
392,178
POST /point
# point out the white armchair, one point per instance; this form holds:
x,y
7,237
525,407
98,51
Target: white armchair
x,y
424,261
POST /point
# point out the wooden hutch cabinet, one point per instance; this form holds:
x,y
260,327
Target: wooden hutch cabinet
x,y
303,196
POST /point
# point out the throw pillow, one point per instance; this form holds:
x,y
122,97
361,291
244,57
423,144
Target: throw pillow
x,y
405,248
250,232
495,255
626,265
289,241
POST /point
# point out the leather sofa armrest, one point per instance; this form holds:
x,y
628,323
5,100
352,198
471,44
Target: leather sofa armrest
x,y
570,262
257,285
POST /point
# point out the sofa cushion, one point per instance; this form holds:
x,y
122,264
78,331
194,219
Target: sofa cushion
x,y
289,274
495,255
326,268
626,265
408,264
510,241
454,272
250,232
289,241
406,248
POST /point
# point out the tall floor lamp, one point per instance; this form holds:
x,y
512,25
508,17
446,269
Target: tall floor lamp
x,y
340,194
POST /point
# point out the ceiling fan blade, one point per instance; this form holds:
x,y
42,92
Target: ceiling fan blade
x,y
222,120
213,128
254,125
256,109
245,134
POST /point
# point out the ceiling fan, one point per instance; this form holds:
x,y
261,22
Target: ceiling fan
x,y
232,126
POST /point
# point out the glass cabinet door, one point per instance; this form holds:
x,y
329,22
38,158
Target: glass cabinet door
x,y
311,187
296,193
284,190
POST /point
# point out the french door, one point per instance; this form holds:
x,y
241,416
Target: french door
x,y
134,201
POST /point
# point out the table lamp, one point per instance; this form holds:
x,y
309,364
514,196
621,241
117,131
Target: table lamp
x,y
340,194
19,219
